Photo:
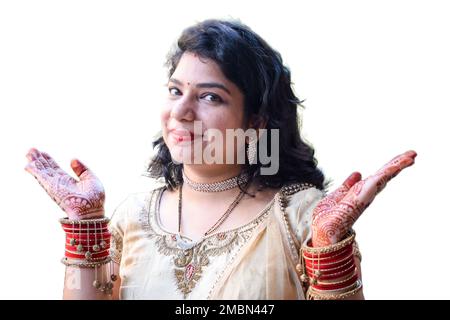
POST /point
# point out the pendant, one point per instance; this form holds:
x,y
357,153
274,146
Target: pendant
x,y
182,244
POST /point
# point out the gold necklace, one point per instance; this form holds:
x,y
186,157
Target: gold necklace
x,y
184,245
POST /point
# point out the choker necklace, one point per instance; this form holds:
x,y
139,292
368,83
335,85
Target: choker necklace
x,y
187,245
216,186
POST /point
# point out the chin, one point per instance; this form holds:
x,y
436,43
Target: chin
x,y
179,154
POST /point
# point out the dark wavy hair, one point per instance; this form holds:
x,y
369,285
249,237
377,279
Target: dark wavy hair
x,y
258,71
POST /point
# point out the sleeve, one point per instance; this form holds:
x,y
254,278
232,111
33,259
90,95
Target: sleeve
x,y
117,228
300,211
124,216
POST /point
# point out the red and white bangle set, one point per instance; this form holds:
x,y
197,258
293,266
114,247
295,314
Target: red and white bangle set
x,y
330,271
87,246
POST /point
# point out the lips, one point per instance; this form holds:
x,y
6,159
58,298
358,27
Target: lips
x,y
182,135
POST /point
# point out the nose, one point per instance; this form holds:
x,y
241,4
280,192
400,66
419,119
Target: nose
x,y
183,109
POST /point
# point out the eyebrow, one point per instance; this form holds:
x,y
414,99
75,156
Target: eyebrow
x,y
204,85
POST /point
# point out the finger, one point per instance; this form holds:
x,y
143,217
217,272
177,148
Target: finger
x,y
351,180
43,180
340,192
52,163
81,170
336,196
392,169
358,198
403,160
362,193
32,154
38,173
42,160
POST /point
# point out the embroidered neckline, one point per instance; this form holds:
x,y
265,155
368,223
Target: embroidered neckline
x,y
189,264
157,219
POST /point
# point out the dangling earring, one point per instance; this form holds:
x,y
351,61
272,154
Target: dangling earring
x,y
251,150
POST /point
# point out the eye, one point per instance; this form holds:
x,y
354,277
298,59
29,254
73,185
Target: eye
x,y
211,97
174,91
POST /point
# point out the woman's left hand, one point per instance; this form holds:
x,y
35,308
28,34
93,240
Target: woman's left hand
x,y
334,215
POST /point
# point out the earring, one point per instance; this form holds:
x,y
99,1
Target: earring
x,y
251,150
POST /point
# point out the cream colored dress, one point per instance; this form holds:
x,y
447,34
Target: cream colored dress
x,y
254,261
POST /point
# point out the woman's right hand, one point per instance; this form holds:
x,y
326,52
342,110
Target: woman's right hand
x,y
83,199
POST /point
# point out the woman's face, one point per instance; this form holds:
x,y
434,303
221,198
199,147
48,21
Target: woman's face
x,y
198,92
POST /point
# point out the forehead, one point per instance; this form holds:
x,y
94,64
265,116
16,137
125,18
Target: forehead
x,y
195,69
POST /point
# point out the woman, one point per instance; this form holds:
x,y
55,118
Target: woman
x,y
251,227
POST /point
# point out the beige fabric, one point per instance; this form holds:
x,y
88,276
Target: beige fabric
x,y
255,261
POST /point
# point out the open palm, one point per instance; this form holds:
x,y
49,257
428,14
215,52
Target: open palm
x,y
335,214
80,199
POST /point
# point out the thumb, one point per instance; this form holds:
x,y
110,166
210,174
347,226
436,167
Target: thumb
x,y
79,168
351,180
337,195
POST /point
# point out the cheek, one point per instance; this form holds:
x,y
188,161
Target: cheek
x,y
164,117
165,114
218,119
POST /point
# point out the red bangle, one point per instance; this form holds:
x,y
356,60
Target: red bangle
x,y
336,286
329,263
337,275
350,263
88,236
83,257
84,231
87,241
85,247
326,266
308,255
84,224
336,256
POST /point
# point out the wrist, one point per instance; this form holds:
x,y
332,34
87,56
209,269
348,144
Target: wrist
x,y
326,236
98,214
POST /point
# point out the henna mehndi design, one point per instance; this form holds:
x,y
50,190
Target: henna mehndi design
x,y
335,215
80,199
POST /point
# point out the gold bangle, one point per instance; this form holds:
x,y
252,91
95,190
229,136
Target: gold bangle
x,y
319,263
330,269
84,252
314,281
83,264
316,258
67,221
331,248
319,272
334,295
337,282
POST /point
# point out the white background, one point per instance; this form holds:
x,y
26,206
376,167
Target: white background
x,y
85,79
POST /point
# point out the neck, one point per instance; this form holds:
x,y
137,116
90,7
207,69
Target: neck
x,y
199,174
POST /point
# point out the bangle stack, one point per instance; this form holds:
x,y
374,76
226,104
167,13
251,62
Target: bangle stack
x,y
330,271
87,246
